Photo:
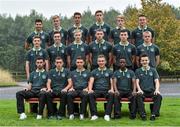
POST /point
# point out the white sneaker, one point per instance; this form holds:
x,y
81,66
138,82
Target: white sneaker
x,y
22,116
94,117
39,117
107,118
71,117
81,117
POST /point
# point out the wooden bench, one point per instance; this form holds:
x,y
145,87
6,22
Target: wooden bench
x,y
78,100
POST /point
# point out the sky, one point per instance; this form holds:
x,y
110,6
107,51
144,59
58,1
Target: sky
x,y
67,7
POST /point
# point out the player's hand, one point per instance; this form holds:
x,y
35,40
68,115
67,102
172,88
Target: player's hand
x,y
64,90
43,89
116,93
140,92
111,91
85,90
134,93
49,90
71,89
90,91
156,92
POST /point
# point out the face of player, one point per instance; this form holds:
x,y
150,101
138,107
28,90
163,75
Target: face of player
x,y
142,21
101,62
122,63
56,22
147,37
36,42
99,17
40,64
77,19
77,36
79,63
38,26
120,22
99,35
123,36
57,38
144,61
59,64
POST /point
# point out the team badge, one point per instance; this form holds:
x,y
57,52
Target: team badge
x,y
43,76
152,49
128,75
54,75
84,75
142,50
31,54
34,77
52,52
42,36
75,76
82,49
129,49
94,48
62,34
104,29
106,74
104,47
63,75
150,73
40,53
62,51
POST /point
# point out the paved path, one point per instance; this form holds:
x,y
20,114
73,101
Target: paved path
x,y
167,89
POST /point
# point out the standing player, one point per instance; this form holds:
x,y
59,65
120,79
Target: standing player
x,y
57,27
38,31
100,24
137,34
97,47
77,26
114,36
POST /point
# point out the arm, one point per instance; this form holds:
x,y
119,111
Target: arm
x,y
137,61
157,85
27,70
90,58
69,85
47,65
157,60
138,87
68,61
110,59
49,85
134,86
90,85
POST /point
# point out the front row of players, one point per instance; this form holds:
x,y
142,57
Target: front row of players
x,y
101,82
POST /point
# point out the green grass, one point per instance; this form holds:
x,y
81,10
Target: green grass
x,y
7,84
170,116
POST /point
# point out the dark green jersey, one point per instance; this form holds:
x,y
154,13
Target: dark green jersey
x,y
137,35
80,79
44,38
126,51
124,80
152,51
38,79
105,27
102,79
83,30
147,78
115,33
54,52
97,48
59,79
74,50
33,54
63,36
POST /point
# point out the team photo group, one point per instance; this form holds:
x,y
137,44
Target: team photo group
x,y
91,63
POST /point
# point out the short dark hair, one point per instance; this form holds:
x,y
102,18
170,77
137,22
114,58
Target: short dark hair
x,y
38,20
77,13
79,58
39,58
99,30
122,58
58,58
36,36
57,32
144,55
124,30
98,11
141,15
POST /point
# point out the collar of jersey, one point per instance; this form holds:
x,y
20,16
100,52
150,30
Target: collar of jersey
x,y
97,24
121,28
123,71
36,49
148,68
62,69
78,43
127,43
60,28
102,42
145,27
37,70
79,70
77,26
38,32
56,45
144,44
101,69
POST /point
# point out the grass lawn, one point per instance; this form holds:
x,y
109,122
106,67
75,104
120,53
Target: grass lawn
x,y
7,84
170,116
